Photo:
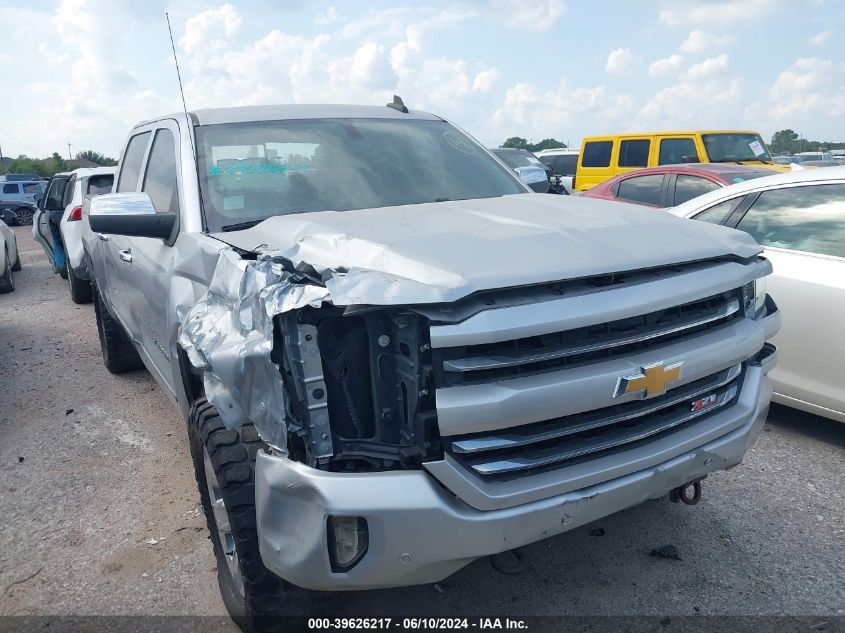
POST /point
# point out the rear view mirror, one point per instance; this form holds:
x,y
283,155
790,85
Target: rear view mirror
x,y
129,214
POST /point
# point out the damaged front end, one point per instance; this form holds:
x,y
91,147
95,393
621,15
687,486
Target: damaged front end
x,y
339,389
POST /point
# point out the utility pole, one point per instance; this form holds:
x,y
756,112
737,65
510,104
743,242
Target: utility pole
x,y
2,162
69,155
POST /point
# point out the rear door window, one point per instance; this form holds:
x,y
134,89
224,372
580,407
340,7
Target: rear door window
x,y
56,194
566,165
160,178
674,151
641,189
810,219
68,196
596,154
98,185
130,168
634,153
689,187
720,213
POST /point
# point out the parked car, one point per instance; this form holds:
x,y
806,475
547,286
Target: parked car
x,y
603,157
10,259
671,185
71,192
17,213
803,157
21,190
562,162
799,218
386,370
84,185
527,166
56,198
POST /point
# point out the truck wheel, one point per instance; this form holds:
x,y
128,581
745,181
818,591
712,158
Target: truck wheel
x,y
80,289
224,463
119,355
6,283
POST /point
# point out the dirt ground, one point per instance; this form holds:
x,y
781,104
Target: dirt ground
x,y
99,512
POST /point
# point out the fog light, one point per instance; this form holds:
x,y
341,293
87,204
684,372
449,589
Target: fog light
x,y
348,541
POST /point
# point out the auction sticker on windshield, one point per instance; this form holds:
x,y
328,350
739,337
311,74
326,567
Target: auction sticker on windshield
x,y
756,148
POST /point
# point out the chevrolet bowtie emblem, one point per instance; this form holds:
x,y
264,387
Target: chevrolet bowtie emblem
x,y
650,379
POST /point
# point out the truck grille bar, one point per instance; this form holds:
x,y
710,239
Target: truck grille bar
x,y
595,343
551,442
512,358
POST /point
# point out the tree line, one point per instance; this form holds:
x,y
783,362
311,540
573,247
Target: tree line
x,y
789,142
56,163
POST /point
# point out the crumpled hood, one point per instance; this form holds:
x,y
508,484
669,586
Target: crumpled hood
x,y
429,253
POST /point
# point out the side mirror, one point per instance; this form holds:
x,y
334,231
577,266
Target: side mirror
x,y
129,214
39,197
531,175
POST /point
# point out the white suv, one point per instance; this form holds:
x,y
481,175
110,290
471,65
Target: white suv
x,y
563,162
76,192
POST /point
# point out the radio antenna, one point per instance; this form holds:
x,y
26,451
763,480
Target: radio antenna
x,y
181,90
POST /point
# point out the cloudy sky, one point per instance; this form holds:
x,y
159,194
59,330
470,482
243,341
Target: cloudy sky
x,y
84,71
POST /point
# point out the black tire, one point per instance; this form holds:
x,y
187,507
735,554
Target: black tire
x,y
63,271
266,597
119,355
16,267
6,282
80,289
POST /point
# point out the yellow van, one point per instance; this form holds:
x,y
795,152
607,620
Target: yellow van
x,y
604,157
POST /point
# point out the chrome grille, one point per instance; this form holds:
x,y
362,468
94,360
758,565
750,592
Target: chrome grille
x,y
526,448
550,352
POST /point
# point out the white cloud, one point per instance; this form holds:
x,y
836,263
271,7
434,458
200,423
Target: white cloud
x,y
619,60
703,42
710,67
802,88
682,105
716,14
820,38
211,31
486,79
665,66
529,15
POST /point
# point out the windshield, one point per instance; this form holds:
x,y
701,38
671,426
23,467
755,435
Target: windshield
x,y
726,148
518,158
252,171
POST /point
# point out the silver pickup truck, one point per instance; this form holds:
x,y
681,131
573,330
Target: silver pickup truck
x,y
393,358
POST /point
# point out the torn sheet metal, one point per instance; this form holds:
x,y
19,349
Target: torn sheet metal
x,y
229,335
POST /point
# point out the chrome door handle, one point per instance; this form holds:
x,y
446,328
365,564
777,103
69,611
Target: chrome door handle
x,y
126,255
104,238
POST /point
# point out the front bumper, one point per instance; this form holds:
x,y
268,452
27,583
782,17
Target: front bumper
x,y
421,533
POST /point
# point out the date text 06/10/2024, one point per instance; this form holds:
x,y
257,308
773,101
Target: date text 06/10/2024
x,y
421,624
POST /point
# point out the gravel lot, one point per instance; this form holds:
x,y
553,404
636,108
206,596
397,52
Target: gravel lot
x,y
99,512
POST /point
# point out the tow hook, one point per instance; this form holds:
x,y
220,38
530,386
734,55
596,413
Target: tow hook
x,y
689,493
508,563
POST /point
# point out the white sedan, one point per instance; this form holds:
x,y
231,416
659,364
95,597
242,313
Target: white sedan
x,y
10,259
799,218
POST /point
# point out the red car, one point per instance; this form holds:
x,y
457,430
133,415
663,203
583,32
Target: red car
x,y
670,185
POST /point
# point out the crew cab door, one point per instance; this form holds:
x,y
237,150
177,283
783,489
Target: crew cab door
x,y
53,200
109,252
149,269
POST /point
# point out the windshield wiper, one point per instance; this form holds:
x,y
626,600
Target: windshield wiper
x,y
240,226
